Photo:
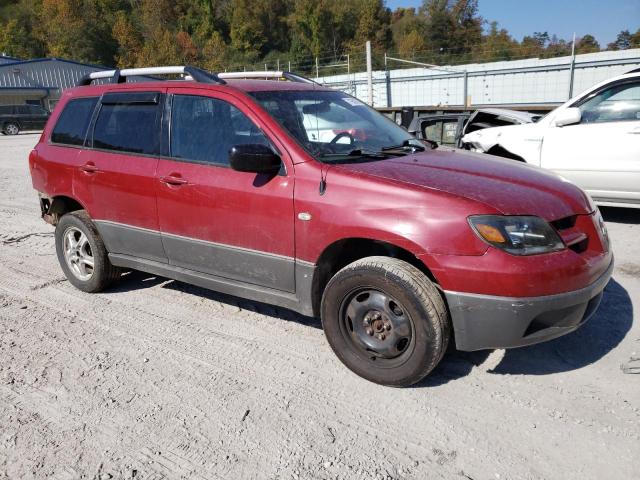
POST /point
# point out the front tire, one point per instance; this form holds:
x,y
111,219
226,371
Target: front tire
x,y
11,128
82,254
385,320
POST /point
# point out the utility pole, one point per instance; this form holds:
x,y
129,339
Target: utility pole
x,y
369,72
387,78
317,68
572,65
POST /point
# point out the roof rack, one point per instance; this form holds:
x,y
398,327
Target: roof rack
x,y
120,76
267,75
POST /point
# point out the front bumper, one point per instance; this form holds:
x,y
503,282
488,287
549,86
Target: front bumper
x,y
486,321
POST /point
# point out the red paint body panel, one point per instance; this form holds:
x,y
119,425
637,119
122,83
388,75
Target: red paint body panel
x,y
418,202
499,273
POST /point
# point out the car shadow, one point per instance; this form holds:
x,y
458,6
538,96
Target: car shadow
x,y
629,216
136,280
244,304
602,333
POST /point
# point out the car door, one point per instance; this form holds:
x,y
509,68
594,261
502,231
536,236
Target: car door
x,y
116,174
38,117
601,153
23,117
216,220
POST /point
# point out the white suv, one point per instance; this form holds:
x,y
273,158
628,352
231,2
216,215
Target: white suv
x,y
592,140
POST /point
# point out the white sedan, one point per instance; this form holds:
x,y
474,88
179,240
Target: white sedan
x,y
592,140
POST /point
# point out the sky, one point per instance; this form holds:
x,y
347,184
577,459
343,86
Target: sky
x,y
601,18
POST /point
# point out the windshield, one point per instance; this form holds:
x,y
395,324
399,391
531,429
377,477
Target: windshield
x,y
332,126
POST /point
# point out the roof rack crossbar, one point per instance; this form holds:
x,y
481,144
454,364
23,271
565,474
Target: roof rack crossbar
x,y
120,76
267,75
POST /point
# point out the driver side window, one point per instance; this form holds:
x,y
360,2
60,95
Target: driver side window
x,y
204,129
618,103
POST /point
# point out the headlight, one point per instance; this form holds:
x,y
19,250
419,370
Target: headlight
x,y
517,235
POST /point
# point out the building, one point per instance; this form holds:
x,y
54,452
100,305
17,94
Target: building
x,y
539,83
40,81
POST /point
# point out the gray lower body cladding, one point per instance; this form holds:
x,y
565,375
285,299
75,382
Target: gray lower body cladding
x,y
485,321
258,276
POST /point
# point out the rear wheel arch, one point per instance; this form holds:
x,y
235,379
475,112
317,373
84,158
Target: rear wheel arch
x,y
348,250
58,206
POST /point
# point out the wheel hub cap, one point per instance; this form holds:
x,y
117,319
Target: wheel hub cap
x,y
78,254
378,324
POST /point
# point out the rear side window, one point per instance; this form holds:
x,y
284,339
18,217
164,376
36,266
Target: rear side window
x,y
128,123
73,122
6,110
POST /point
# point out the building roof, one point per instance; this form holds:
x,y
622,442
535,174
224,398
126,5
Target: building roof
x,y
55,59
53,73
4,59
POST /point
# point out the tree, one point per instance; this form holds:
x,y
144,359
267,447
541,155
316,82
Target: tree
x,y
128,39
496,45
409,32
373,24
635,40
622,41
311,23
587,44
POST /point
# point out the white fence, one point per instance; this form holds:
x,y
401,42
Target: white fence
x,y
526,82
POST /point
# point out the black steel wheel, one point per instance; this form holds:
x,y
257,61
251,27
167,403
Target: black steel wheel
x,y
385,320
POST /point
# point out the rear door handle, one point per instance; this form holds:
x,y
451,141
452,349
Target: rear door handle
x,y
173,180
89,167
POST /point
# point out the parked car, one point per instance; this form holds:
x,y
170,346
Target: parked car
x,y
16,118
449,128
592,140
398,249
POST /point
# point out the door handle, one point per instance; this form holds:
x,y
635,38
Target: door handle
x,y
89,168
173,180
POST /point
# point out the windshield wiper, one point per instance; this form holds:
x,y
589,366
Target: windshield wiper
x,y
405,146
356,153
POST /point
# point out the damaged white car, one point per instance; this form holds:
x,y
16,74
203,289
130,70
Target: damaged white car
x,y
592,140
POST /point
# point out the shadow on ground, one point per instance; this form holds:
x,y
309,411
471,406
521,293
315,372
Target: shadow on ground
x,y
135,280
603,332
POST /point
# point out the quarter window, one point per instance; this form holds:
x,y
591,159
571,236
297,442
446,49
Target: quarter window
x,y
73,122
128,127
204,129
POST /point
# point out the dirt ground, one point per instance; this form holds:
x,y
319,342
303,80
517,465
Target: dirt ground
x,y
157,379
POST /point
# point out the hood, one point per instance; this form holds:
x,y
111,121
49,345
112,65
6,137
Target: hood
x,y
517,115
512,188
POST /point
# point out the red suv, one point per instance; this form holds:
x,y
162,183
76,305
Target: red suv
x,y
285,192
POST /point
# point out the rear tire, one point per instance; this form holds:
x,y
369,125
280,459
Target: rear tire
x,y
385,320
11,128
82,254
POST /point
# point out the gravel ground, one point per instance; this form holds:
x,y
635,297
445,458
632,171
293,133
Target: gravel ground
x,y
158,379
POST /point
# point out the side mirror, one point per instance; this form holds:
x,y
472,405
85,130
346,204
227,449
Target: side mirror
x,y
254,158
568,116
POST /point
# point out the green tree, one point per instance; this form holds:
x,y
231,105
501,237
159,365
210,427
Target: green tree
x,y
622,41
587,44
497,45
